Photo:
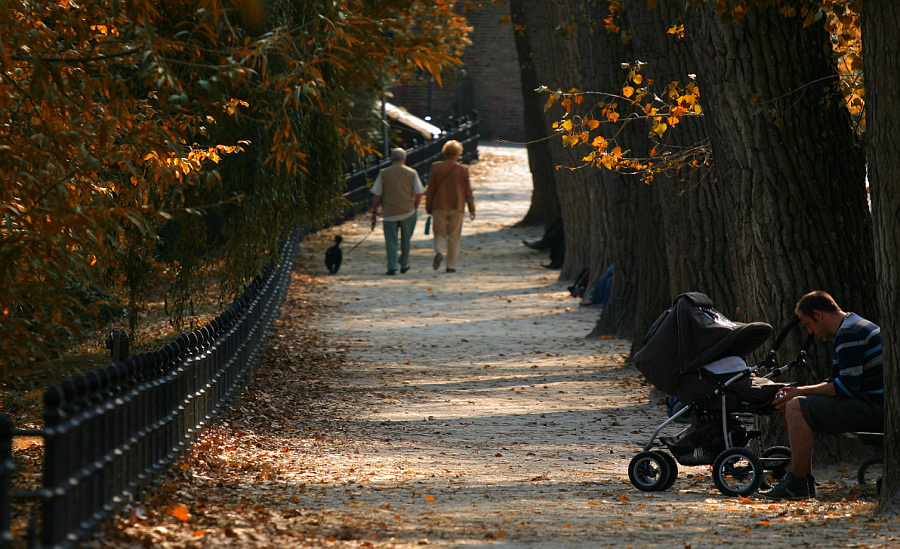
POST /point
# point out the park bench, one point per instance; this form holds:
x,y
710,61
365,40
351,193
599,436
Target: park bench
x,y
875,440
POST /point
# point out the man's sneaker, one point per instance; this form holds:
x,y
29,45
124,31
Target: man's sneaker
x,y
791,487
438,257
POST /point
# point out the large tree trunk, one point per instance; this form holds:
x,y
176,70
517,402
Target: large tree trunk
x,y
544,207
882,60
557,58
695,230
792,173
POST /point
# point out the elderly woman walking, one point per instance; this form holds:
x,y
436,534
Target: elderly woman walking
x,y
446,196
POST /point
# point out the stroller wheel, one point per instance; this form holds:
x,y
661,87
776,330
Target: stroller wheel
x,y
737,472
776,462
650,472
673,468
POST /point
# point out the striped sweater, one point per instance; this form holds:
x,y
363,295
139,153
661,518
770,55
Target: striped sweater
x,y
856,369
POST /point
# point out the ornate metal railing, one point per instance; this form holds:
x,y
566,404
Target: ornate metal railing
x,y
109,432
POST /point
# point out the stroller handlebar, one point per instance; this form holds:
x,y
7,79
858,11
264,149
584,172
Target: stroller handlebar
x,y
784,333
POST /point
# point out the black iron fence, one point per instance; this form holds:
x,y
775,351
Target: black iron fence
x,y
110,432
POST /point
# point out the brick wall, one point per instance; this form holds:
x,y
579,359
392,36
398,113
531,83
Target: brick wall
x,y
488,82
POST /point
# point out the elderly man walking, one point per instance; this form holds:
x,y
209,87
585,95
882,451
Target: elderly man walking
x,y
399,190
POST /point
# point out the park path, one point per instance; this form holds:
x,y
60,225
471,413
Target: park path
x,y
459,410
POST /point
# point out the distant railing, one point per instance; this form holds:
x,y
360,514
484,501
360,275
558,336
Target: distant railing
x,y
109,432
419,158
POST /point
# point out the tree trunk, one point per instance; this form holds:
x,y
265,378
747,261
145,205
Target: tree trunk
x,y
695,230
882,60
553,33
792,173
544,207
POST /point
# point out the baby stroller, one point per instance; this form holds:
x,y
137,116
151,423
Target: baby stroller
x,y
696,354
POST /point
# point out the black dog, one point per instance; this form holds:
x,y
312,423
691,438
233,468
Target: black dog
x,y
334,256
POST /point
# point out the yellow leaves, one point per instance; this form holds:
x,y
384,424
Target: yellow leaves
x,y
612,116
550,99
676,30
567,125
627,91
570,140
660,128
788,11
593,124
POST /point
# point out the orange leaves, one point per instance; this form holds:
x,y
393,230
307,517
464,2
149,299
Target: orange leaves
x,y
659,129
636,101
180,512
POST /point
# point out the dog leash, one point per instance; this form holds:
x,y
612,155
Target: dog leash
x,y
363,238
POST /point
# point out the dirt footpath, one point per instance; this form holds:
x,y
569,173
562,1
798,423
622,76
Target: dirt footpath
x,y
458,410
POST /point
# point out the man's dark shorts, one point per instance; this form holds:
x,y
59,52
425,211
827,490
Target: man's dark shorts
x,y
842,414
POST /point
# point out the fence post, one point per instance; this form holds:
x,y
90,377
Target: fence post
x,y
7,467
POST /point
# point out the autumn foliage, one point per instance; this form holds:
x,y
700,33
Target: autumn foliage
x,y
587,116
149,143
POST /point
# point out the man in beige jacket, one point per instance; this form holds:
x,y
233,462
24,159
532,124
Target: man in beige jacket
x,y
448,193
399,189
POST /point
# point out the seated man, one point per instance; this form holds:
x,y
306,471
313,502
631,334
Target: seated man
x,y
602,291
852,399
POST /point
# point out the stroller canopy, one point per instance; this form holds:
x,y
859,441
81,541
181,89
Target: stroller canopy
x,y
690,334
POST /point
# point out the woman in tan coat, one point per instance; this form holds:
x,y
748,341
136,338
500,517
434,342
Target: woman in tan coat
x,y
446,196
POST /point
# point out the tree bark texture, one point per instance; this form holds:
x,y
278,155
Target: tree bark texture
x,y
694,226
622,211
544,207
791,171
557,57
882,66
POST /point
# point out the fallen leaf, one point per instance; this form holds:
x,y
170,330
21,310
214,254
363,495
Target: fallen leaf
x,y
429,498
181,513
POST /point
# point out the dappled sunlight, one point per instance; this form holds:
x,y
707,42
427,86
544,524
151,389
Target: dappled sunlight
x,y
457,410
